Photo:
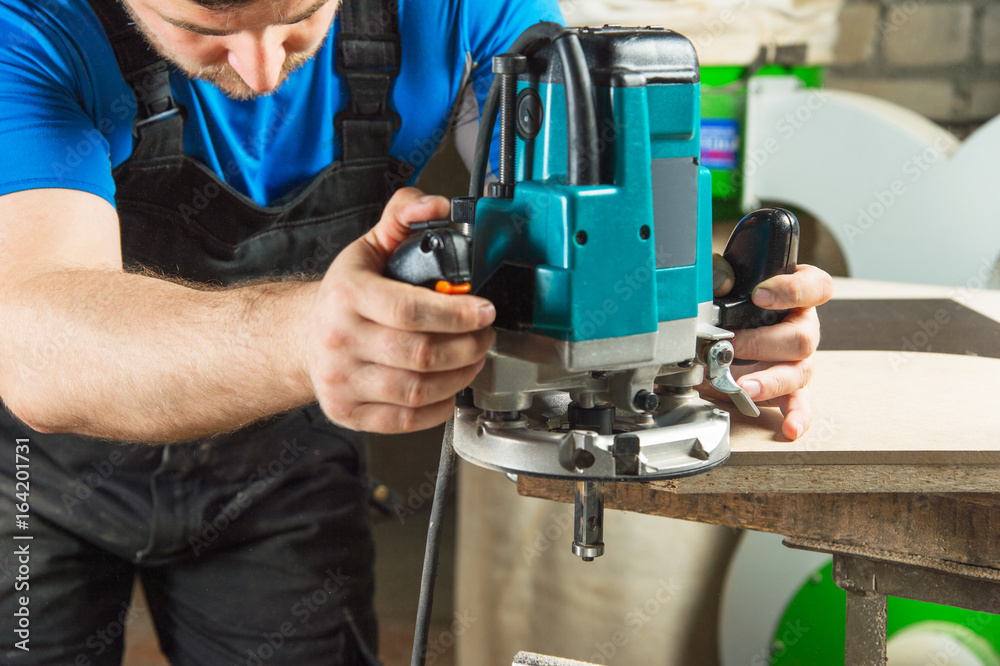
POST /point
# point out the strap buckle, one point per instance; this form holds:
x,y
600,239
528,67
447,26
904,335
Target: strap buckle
x,y
151,86
156,117
368,52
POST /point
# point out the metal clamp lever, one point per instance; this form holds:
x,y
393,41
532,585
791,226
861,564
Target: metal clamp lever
x,y
717,358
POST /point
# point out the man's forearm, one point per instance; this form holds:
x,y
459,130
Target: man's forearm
x,y
130,357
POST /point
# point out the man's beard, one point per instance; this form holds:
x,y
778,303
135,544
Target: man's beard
x,y
223,76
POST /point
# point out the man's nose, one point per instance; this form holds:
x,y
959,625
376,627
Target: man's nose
x,y
257,57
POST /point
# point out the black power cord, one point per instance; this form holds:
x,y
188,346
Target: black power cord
x,y
431,551
581,117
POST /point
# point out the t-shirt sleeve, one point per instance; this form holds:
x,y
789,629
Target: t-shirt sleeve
x,y
490,29
50,138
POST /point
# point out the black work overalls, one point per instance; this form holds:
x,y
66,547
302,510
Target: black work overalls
x,y
253,547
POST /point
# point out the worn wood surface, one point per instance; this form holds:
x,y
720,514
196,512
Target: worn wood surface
x,y
958,527
857,568
744,477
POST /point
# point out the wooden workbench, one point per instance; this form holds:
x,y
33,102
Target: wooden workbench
x,y
900,470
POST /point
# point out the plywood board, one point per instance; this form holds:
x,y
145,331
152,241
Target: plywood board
x,y
883,424
882,408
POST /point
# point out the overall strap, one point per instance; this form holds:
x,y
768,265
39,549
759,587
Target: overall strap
x,y
368,59
146,73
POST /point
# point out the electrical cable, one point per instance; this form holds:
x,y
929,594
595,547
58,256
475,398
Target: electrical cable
x,y
527,43
581,116
429,574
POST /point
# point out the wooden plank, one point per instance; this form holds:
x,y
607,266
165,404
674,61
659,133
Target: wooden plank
x,y
878,408
857,563
743,477
958,527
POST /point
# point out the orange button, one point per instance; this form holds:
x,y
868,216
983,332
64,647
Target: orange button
x,y
449,288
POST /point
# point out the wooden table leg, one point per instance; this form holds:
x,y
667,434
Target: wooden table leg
x,y
866,624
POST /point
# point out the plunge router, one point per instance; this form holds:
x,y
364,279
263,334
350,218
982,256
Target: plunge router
x,y
594,244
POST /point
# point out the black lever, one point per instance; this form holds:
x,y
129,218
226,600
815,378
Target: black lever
x,y
434,256
765,243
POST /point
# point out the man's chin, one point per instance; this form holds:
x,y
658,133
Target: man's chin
x,y
241,92
231,85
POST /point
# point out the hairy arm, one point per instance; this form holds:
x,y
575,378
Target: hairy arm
x,y
88,349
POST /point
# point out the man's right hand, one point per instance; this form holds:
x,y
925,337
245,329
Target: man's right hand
x,y
165,362
385,356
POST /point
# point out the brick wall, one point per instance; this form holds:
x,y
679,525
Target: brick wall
x,y
938,58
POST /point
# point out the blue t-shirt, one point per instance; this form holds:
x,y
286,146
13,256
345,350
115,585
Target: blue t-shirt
x,y
66,113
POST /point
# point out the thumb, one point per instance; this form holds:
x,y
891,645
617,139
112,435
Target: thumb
x,y
406,206
723,277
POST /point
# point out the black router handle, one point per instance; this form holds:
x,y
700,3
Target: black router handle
x,y
765,243
434,256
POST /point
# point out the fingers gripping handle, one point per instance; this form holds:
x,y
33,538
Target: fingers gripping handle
x,y
765,243
434,256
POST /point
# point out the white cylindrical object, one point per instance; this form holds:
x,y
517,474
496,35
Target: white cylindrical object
x,y
940,644
724,32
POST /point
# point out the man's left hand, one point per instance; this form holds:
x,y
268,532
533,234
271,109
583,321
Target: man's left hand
x,y
784,351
